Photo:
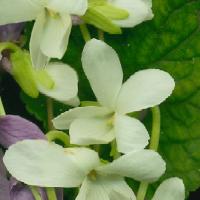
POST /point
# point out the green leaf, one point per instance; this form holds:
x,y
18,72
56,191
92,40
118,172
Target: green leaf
x,y
23,73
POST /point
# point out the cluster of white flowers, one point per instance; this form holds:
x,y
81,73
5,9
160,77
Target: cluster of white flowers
x,y
40,163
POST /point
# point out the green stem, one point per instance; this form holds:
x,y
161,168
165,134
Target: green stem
x,y
2,111
155,137
50,114
142,191
97,147
35,193
51,194
100,34
114,152
8,45
58,135
85,32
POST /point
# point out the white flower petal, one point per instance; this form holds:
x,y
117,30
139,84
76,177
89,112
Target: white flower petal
x,y
55,36
74,102
92,190
65,82
117,188
38,59
64,120
76,7
38,162
139,11
131,134
144,89
170,189
13,11
91,131
103,70
144,165
105,188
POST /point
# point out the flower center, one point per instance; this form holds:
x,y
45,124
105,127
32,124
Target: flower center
x,y
110,120
93,175
52,13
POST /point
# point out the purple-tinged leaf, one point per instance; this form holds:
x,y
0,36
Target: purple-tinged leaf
x,y
59,194
6,64
19,191
43,194
14,128
4,189
11,32
76,20
2,167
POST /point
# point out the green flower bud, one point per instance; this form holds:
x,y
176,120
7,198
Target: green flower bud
x,y
23,72
100,14
44,79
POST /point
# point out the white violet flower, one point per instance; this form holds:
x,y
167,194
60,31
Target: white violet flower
x,y
102,124
65,83
52,27
139,11
170,189
40,163
112,15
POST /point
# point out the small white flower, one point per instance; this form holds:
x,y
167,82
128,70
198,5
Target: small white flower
x,y
56,80
52,28
99,125
38,162
170,189
139,11
65,83
111,15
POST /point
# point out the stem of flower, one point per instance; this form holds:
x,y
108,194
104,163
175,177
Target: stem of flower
x,y
100,34
142,191
155,137
35,193
2,111
51,194
50,114
8,45
85,32
58,135
114,153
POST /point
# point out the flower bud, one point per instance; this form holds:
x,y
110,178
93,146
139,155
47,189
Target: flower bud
x,y
101,14
23,73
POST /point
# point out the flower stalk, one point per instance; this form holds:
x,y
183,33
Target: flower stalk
x,y
51,194
2,111
85,32
35,193
154,143
155,137
50,114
